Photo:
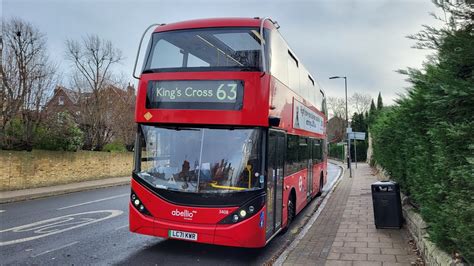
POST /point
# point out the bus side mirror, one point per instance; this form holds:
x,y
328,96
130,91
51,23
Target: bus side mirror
x,y
274,121
140,46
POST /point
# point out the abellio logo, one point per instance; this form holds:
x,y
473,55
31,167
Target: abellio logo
x,y
185,214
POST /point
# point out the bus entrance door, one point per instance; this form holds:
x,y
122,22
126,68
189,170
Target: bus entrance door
x,y
309,185
276,151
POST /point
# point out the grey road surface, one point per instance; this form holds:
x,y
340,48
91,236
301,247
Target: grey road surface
x,y
91,227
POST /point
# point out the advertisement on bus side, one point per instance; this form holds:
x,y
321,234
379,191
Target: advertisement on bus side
x,y
306,119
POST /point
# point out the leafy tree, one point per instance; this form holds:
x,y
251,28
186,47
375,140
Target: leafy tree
x,y
379,102
359,123
372,113
372,106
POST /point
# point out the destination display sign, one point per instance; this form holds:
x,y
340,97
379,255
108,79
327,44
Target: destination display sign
x,y
306,119
195,94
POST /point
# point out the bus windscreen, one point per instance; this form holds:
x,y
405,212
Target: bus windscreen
x,y
200,159
204,49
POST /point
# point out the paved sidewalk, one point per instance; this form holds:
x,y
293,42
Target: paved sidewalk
x,y
33,193
345,234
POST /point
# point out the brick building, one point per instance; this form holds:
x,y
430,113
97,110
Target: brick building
x,y
67,100
110,112
336,129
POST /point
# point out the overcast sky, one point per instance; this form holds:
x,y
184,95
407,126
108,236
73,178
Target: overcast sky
x,y
363,40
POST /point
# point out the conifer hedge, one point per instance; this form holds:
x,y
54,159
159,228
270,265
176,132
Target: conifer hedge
x,y
426,142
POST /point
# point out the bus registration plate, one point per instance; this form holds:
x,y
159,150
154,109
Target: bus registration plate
x,y
182,235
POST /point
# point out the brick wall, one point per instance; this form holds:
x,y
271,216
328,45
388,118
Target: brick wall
x,y
21,169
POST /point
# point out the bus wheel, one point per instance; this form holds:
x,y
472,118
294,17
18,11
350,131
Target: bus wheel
x,y
291,213
320,191
291,210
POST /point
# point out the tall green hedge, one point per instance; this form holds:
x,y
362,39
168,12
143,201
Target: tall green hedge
x,y
361,150
426,143
336,151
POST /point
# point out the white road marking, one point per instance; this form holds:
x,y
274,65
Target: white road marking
x,y
120,227
55,249
93,201
47,227
2,211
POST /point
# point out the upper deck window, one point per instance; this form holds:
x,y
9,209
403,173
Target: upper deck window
x,y
205,49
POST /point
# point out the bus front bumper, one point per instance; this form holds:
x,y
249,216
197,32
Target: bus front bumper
x,y
249,233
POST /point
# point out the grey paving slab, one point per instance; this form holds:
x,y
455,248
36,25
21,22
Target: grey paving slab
x,y
344,233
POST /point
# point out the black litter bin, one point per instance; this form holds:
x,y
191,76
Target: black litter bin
x,y
387,204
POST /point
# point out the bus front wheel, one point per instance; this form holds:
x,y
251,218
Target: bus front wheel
x,y
321,183
291,210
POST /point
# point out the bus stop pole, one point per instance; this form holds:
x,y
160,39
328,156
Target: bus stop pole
x,y
342,153
355,151
349,155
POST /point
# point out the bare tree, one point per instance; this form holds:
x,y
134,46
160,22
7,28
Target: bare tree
x,y
360,102
337,106
123,111
93,59
27,76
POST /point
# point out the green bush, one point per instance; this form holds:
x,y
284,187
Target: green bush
x,y
336,151
361,150
12,137
426,143
115,147
59,133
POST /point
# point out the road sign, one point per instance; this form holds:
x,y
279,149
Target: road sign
x,y
357,135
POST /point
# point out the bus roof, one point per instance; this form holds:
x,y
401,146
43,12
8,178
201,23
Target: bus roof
x,y
215,22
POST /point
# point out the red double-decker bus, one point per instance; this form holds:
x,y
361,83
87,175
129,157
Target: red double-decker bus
x,y
231,141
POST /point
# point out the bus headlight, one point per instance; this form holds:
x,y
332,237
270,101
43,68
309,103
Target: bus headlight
x,y
138,204
251,208
245,211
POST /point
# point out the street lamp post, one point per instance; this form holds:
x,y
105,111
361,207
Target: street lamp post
x,y
347,127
